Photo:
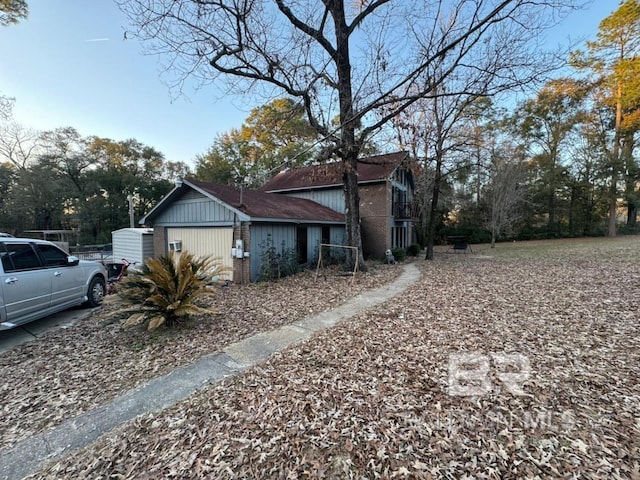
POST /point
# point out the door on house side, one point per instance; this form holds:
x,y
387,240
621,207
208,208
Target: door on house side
x,y
205,242
301,244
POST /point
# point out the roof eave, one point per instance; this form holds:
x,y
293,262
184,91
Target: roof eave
x,y
296,220
242,216
319,187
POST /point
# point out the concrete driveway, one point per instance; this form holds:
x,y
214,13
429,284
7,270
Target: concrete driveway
x,y
30,331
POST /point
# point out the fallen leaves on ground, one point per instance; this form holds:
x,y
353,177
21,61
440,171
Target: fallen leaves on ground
x,y
371,397
70,371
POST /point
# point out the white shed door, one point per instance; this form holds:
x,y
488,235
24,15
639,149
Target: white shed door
x,y
213,242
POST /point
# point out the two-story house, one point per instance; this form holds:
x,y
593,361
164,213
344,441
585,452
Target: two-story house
x,y
386,187
297,210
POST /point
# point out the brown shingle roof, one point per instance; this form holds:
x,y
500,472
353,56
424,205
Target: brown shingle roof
x,y
266,205
371,169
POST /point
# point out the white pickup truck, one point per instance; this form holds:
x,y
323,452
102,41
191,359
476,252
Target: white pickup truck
x,y
37,279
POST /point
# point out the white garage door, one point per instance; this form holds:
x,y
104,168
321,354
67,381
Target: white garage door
x,y
215,242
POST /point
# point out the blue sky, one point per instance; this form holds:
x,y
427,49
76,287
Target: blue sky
x,y
68,65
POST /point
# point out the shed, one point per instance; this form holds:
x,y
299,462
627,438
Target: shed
x,y
133,244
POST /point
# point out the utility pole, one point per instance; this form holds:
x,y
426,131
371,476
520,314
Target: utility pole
x,y
130,199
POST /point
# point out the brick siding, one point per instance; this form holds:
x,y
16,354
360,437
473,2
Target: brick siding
x,y
375,218
242,266
159,241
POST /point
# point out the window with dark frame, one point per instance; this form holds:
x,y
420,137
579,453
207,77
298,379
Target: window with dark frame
x,y
53,256
23,257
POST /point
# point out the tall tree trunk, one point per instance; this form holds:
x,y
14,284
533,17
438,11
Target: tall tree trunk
x,y
352,210
632,214
613,204
630,179
553,222
478,169
588,210
572,203
349,149
433,211
588,215
437,182
615,164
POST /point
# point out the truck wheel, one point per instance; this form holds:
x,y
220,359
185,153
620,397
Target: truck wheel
x,y
96,292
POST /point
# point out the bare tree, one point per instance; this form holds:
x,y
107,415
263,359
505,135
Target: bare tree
x,y
18,144
6,107
346,61
506,193
443,132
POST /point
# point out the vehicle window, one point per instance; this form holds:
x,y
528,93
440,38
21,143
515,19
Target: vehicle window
x,y
53,256
22,256
7,264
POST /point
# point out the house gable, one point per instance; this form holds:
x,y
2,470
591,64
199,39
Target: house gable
x,y
195,209
188,203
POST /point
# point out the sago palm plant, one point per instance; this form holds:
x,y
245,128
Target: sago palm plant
x,y
164,290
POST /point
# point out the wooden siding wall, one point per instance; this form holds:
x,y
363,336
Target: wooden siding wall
x,y
260,233
332,198
337,236
287,233
314,238
194,209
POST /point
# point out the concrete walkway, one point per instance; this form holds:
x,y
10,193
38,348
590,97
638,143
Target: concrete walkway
x,y
29,455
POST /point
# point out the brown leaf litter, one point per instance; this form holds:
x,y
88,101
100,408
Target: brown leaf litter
x,y
67,372
372,397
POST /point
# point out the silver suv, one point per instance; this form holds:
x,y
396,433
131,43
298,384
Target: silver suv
x,y
38,278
